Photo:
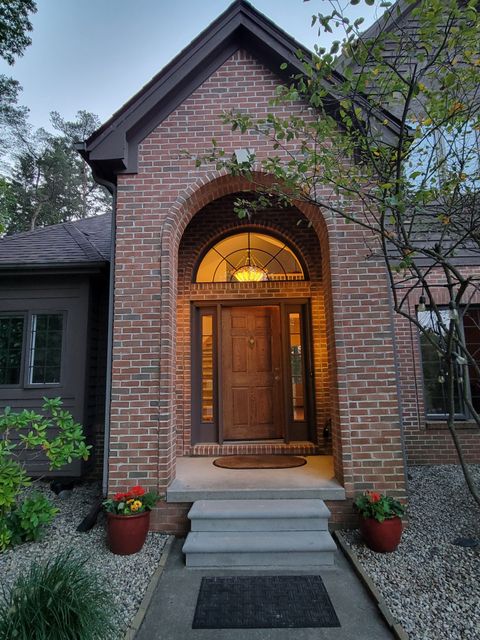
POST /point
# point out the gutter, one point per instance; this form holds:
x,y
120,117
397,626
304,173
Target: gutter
x,y
62,267
108,385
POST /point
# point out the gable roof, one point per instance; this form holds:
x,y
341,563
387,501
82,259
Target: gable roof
x,y
113,148
83,243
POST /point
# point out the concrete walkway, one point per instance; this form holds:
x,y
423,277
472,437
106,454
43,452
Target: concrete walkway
x,y
170,614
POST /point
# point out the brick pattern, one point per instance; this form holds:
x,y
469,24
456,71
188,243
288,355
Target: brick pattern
x,y
216,219
261,448
172,517
154,208
428,442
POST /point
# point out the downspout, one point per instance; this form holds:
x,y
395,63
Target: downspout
x,y
112,188
89,521
396,361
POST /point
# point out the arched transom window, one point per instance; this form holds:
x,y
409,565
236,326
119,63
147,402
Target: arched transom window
x,y
249,257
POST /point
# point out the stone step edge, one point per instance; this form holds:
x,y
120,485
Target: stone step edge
x,y
258,509
201,542
291,561
258,524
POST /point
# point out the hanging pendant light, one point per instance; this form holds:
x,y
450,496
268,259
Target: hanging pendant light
x,y
249,271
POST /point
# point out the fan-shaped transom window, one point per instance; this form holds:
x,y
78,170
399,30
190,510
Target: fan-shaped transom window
x,y
249,257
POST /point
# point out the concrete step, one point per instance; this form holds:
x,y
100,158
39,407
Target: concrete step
x,y
259,533
198,479
259,515
267,549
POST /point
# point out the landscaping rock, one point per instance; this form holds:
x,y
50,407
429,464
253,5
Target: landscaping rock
x,y
432,585
127,576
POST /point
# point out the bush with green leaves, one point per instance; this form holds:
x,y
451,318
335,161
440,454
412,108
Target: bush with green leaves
x,y
55,601
53,434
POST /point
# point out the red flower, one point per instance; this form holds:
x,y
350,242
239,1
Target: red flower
x,y
375,496
137,491
119,497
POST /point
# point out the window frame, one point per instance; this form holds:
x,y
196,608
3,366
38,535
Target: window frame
x,y
209,430
440,149
26,348
203,433
241,230
464,415
24,315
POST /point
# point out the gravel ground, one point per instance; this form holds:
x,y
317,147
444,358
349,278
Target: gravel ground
x,y
431,585
128,576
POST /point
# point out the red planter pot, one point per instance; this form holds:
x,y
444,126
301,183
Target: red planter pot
x,y
127,534
381,536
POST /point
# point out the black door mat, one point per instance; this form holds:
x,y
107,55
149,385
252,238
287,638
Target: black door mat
x,y
263,602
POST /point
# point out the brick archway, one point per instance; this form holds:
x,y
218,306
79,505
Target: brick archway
x,y
180,216
367,440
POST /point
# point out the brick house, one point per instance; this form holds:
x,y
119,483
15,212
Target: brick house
x,y
231,337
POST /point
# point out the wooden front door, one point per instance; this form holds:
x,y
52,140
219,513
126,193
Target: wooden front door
x,y
251,384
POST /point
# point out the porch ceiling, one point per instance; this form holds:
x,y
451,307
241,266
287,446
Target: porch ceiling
x,y
199,479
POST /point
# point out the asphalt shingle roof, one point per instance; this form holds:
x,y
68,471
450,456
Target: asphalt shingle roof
x,y
80,242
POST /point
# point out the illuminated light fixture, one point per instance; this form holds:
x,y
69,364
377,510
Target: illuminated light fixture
x,y
421,304
249,273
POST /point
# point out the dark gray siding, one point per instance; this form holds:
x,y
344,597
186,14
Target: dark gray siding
x,y
96,369
69,294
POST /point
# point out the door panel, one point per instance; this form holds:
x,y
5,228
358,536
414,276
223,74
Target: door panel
x,y
251,373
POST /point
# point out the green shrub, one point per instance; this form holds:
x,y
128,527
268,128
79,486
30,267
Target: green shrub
x,y
60,439
60,600
27,519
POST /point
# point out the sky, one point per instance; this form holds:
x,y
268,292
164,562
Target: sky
x,y
95,54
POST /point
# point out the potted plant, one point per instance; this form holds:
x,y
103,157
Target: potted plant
x,y
380,520
128,519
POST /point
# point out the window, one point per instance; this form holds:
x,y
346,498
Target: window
x,y
39,357
435,378
436,154
296,366
11,343
45,348
207,367
249,257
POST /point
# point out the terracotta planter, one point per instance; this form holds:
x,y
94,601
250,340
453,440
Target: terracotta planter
x,y
381,536
127,534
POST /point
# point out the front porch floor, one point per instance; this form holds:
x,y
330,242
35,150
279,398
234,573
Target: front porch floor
x,y
198,479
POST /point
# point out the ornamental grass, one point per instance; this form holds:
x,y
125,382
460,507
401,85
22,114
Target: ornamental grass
x,y
58,600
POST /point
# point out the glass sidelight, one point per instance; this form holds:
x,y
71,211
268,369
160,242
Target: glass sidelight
x,y
236,386
297,366
207,367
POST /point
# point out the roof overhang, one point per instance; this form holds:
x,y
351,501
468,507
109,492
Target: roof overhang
x,y
53,269
113,148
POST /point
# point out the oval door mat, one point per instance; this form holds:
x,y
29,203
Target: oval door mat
x,y
259,462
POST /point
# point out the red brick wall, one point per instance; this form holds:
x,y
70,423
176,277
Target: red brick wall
x,y
154,209
211,222
428,441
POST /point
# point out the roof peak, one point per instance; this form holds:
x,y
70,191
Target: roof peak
x,y
112,149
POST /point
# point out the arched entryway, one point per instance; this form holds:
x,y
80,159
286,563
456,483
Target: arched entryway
x,y
252,334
